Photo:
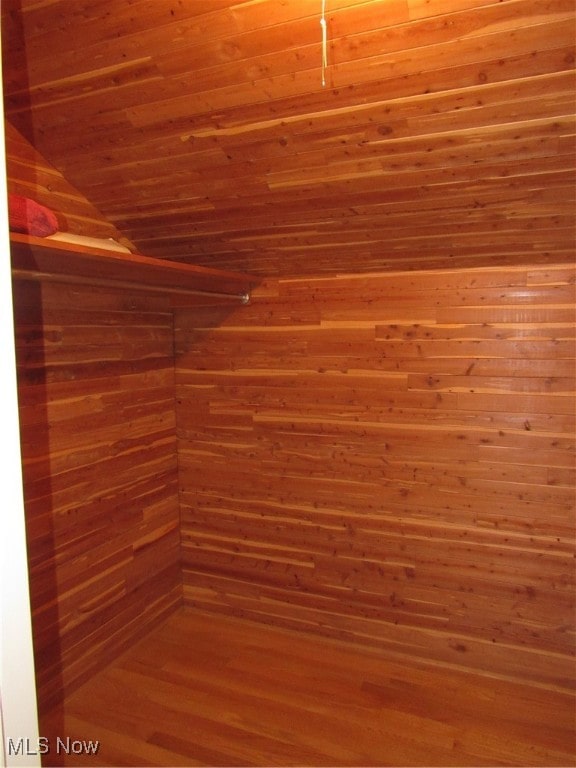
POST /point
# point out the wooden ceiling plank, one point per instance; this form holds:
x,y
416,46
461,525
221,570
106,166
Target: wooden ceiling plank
x,y
114,32
111,125
108,18
458,158
459,25
480,146
133,33
502,46
107,83
545,136
210,161
422,217
60,117
479,112
380,93
513,19
552,190
350,20
539,93
518,228
419,9
272,265
361,171
212,121
269,262
295,41
376,176
474,205
388,191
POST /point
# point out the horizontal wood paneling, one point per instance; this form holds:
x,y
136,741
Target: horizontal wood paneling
x,y
96,399
389,459
96,395
96,378
444,136
30,175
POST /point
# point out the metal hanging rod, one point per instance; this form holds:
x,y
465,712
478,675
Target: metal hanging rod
x,y
24,274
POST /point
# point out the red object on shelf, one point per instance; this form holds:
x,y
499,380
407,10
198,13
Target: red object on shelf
x,y
29,217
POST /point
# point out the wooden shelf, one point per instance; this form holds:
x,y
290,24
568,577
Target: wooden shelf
x,y
36,258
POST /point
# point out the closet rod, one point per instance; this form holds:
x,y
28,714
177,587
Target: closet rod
x,y
25,274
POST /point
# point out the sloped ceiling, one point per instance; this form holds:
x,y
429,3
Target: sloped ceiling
x,y
443,135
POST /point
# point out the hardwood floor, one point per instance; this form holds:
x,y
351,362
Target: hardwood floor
x,y
216,691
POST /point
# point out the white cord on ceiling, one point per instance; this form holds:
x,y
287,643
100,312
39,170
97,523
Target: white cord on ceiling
x,y
324,44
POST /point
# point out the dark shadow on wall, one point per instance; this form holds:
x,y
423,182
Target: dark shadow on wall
x,y
15,61
33,373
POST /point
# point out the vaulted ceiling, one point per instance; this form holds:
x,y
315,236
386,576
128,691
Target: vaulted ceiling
x,y
443,133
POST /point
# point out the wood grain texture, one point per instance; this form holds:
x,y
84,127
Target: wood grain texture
x,y
29,174
95,374
97,418
96,397
209,690
36,258
444,136
389,459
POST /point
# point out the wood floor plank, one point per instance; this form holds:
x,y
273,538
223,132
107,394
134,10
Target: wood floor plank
x,y
219,691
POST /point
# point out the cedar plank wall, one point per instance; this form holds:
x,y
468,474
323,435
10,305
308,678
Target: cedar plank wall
x,y
444,136
388,459
31,176
96,389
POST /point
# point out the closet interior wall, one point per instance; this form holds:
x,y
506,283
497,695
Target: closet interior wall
x,y
96,395
388,460
96,380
